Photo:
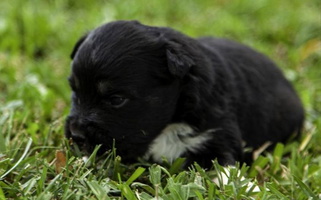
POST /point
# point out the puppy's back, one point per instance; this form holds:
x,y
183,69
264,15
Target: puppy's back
x,y
267,106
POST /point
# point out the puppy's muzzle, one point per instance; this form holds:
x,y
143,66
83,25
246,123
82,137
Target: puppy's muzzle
x,y
79,130
77,133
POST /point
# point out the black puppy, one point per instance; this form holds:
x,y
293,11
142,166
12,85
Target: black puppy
x,y
158,93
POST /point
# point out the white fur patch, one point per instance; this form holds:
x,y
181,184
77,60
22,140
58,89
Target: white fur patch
x,y
174,141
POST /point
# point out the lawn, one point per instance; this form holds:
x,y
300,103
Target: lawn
x,y
36,39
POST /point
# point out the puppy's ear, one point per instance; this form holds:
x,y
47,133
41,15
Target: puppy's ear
x,y
179,61
76,47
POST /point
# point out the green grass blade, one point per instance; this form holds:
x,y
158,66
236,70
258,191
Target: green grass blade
x,y
117,171
2,142
176,166
305,188
199,195
127,192
211,189
155,174
146,187
258,166
276,191
42,180
98,190
277,155
138,172
2,197
20,160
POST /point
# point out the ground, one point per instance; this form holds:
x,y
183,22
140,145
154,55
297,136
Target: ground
x,y
36,39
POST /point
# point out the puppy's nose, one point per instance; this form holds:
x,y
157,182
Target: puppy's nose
x,y
77,134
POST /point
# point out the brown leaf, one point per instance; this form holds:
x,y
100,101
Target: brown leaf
x,y
61,161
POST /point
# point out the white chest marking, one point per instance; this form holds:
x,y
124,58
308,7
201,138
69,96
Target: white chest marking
x,y
174,141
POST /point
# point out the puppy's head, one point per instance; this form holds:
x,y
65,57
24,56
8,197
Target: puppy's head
x,y
126,83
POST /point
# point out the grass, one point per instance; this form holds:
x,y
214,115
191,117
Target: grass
x,y
36,40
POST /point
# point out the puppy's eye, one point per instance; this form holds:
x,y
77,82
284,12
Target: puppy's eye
x,y
117,101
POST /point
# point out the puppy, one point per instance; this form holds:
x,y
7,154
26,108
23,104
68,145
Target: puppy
x,y
156,93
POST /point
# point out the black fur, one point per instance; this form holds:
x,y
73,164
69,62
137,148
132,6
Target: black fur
x,y
166,77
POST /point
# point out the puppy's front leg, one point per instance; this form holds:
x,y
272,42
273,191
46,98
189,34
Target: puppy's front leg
x,y
181,140
224,144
